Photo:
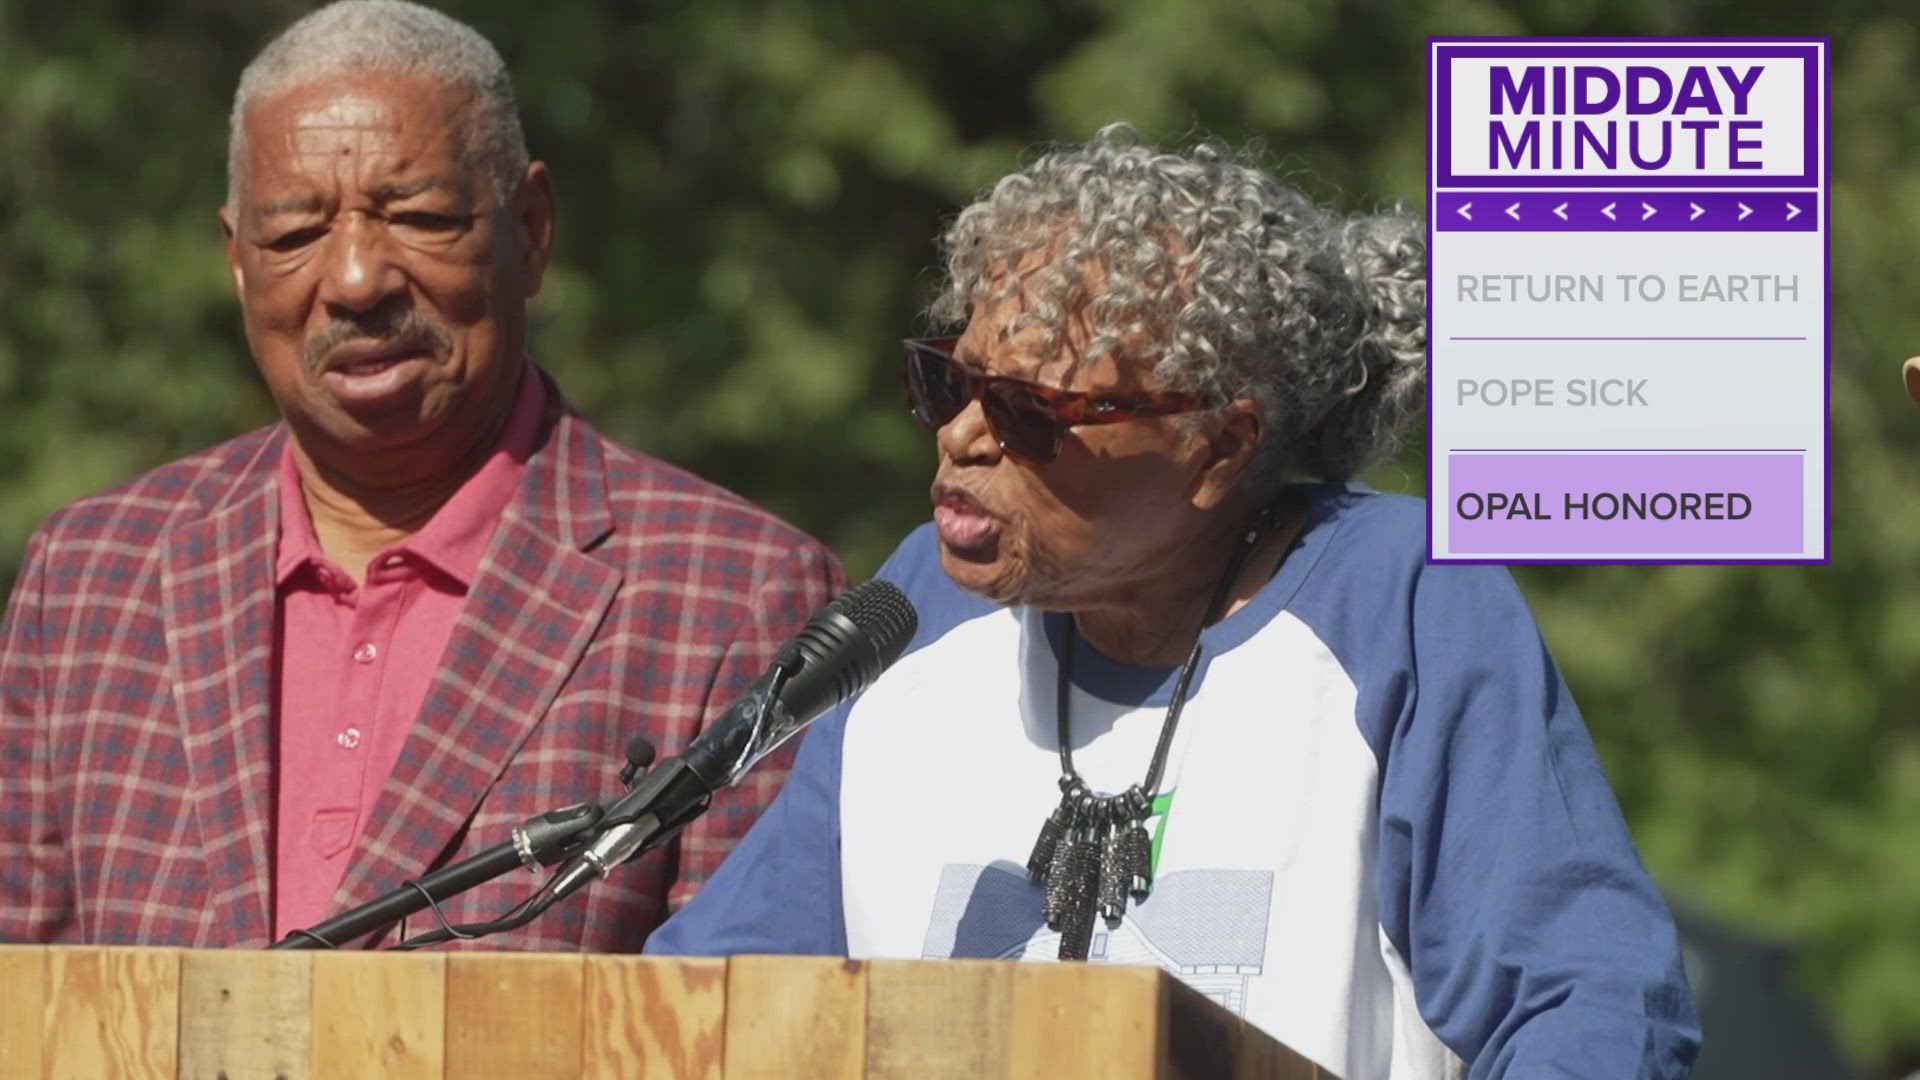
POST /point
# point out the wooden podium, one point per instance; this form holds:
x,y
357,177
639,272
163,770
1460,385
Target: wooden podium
x,y
98,1013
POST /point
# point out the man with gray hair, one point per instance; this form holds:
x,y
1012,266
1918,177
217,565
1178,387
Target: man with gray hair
x,y
266,683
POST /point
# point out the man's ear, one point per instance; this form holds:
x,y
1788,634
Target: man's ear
x,y
533,216
233,250
1232,438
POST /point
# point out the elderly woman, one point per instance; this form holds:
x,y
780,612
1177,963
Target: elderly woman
x,y
1184,695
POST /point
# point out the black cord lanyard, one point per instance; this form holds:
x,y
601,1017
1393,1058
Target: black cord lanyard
x,y
1070,777
1093,852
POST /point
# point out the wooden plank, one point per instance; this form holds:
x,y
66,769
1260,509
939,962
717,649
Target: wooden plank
x,y
1203,1041
246,1013
23,1008
513,1016
111,1012
795,1018
379,1014
1084,1020
931,1020
1264,1058
655,1016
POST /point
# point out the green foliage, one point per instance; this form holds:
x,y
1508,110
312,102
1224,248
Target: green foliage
x,y
749,192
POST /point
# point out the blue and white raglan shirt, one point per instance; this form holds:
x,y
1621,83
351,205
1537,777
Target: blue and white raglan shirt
x,y
1382,836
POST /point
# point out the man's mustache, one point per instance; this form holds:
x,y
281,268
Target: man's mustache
x,y
403,328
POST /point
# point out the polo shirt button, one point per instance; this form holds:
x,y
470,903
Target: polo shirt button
x,y
349,738
366,653
391,560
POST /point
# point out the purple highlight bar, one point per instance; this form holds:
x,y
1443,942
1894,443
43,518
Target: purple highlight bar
x,y
1628,504
1626,211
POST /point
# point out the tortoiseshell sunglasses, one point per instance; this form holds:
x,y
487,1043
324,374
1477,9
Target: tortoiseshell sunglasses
x,y
1028,420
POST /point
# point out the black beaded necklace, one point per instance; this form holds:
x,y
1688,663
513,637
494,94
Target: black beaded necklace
x,y
1093,852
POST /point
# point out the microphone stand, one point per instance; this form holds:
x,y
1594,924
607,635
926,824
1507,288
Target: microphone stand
x,y
653,812
542,841
665,800
591,838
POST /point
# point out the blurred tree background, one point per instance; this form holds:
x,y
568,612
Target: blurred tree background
x,y
749,192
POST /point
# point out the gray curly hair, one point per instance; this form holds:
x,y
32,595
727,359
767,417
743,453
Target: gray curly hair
x,y
353,36
1241,284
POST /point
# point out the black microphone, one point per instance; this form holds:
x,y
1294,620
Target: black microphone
x,y
841,650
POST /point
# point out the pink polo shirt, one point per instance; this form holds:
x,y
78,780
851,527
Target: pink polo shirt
x,y
355,662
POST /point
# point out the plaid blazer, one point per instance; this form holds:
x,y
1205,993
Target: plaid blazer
x,y
618,595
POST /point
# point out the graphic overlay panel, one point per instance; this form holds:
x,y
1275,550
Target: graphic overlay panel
x,y
1628,301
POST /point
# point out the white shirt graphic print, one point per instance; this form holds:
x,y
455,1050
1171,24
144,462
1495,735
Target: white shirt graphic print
x,y
1262,897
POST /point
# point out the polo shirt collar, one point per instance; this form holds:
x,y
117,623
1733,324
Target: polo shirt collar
x,y
455,539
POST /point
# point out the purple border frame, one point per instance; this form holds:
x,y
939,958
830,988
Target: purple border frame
x,y
1824,114
1441,113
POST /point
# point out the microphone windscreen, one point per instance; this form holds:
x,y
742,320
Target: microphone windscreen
x,y
845,646
884,612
